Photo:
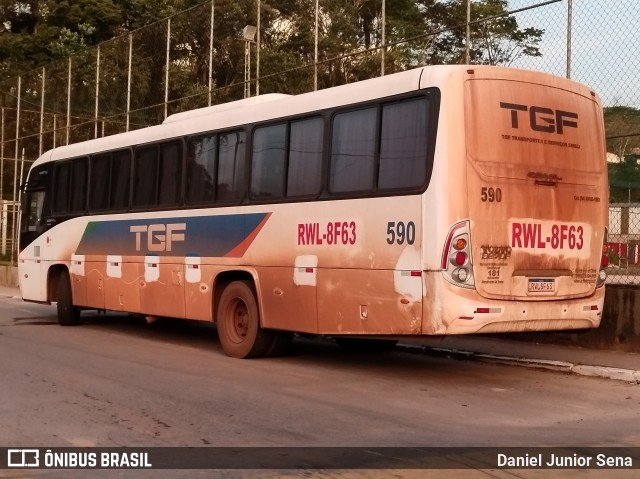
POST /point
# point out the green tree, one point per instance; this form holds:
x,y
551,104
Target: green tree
x,y
496,39
624,180
37,32
622,128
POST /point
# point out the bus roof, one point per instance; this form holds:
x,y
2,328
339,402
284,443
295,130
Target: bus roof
x,y
267,108
216,109
227,116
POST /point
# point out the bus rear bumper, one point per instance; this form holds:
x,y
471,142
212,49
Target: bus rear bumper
x,y
471,313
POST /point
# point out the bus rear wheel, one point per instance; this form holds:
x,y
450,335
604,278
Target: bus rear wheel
x,y
238,321
68,314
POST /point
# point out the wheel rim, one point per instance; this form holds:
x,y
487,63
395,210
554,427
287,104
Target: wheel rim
x,y
240,314
239,322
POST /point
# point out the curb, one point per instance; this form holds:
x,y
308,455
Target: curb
x,y
10,295
617,374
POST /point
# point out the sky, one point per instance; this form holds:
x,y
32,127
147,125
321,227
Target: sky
x,y
605,47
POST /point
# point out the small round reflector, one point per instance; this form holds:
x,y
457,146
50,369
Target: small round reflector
x,y
602,276
460,258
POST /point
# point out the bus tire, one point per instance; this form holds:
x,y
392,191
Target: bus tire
x,y
238,322
68,314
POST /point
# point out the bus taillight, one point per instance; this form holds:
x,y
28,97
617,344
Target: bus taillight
x,y
456,256
604,261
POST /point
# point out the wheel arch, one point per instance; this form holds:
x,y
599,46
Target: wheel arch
x,y
224,278
53,277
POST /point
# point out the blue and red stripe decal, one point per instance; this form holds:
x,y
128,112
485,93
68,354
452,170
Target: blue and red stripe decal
x,y
204,236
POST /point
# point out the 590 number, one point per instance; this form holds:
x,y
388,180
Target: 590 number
x,y
401,232
491,194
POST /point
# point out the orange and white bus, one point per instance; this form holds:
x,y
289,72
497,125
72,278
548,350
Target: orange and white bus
x,y
441,200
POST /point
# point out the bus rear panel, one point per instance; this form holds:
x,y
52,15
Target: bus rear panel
x,y
537,205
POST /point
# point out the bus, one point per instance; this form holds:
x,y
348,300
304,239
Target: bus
x,y
440,200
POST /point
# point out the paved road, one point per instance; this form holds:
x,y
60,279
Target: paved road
x,y
116,381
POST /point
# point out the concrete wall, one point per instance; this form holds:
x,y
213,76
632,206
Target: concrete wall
x,y
620,325
8,275
619,329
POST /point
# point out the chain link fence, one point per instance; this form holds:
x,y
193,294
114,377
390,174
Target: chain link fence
x,y
224,50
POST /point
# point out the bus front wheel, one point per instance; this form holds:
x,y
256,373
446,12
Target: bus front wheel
x,y
68,314
238,321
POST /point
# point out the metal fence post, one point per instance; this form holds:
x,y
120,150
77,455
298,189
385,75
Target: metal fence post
x,y
129,80
42,92
258,50
569,24
211,50
315,52
166,68
95,116
2,158
384,48
467,52
68,101
15,170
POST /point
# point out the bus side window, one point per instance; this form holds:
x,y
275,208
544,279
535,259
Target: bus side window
x,y
100,182
61,187
120,179
268,161
353,149
80,169
170,173
231,166
145,177
403,144
304,175
201,169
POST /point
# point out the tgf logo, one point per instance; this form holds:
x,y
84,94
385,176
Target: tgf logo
x,y
159,237
23,458
542,119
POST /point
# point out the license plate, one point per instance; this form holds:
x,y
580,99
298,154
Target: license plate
x,y
542,285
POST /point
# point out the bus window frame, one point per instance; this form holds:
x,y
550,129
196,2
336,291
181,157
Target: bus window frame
x,y
110,209
324,193
283,177
157,145
185,177
68,213
433,96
